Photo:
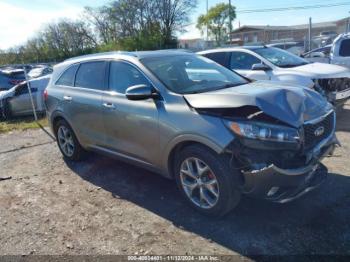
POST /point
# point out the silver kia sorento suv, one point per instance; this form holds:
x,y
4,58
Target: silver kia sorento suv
x,y
189,119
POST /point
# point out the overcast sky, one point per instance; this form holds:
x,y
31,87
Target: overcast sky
x,y
20,19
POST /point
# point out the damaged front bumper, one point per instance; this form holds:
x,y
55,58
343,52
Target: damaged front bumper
x,y
340,97
284,185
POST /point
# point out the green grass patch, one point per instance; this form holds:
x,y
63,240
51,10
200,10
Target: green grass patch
x,y
21,124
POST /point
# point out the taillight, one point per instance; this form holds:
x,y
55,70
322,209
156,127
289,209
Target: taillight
x,y
46,94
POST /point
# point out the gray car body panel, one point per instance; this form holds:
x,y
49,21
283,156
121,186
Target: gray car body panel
x,y
146,132
168,121
291,105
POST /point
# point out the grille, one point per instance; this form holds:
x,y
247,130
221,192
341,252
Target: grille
x,y
311,139
335,84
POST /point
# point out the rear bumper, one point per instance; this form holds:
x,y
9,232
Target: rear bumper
x,y
284,185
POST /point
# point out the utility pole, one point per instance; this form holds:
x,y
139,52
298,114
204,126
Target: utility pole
x,y
310,34
230,16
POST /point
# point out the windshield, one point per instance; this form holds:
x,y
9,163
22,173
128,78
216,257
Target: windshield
x,y
280,57
188,74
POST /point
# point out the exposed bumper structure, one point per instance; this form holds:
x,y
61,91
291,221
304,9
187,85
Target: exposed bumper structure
x,y
284,185
339,97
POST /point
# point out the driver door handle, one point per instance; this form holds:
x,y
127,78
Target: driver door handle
x,y
108,105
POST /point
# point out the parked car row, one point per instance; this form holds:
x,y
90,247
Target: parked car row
x,y
216,132
269,63
337,53
17,102
9,78
39,71
297,48
13,75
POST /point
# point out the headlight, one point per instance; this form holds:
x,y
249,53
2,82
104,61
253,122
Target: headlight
x,y
262,131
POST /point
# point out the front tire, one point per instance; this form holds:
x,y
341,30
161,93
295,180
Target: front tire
x,y
67,142
206,180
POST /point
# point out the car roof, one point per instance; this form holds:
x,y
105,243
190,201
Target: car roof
x,y
10,72
283,43
319,48
135,54
228,49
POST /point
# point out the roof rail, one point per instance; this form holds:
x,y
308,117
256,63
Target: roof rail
x,y
102,53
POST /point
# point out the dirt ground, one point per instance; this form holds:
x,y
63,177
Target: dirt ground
x,y
102,206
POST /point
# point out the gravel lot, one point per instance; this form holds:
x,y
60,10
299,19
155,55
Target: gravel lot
x,y
102,206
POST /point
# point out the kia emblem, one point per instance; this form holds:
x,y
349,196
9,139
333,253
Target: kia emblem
x,y
319,131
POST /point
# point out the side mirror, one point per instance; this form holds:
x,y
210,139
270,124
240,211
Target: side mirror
x,y
260,67
141,92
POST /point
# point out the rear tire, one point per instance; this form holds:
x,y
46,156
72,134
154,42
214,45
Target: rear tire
x,y
206,180
67,142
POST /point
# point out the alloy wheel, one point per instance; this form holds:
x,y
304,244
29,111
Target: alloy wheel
x,y
199,183
65,141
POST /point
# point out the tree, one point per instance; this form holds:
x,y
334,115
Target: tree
x,y
217,20
140,23
55,42
67,38
119,25
173,16
103,21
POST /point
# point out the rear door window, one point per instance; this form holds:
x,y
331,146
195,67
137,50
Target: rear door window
x,y
123,75
67,78
91,75
219,57
19,75
345,48
23,89
243,61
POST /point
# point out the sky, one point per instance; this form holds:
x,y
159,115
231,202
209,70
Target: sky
x,y
21,19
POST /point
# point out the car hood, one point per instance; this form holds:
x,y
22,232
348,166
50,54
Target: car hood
x,y
289,104
318,71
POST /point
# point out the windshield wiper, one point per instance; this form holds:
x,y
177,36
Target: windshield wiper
x,y
226,86
292,65
214,88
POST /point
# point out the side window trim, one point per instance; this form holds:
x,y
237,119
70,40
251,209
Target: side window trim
x,y
75,74
227,59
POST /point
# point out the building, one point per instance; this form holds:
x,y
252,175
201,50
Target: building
x,y
255,34
195,44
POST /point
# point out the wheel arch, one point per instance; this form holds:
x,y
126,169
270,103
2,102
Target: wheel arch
x,y
181,142
57,116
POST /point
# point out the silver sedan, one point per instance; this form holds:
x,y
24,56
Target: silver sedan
x,y
16,101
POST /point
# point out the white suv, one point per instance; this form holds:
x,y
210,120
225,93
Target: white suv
x,y
268,63
337,53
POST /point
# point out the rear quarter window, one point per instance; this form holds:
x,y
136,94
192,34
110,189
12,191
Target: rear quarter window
x,y
67,78
19,75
